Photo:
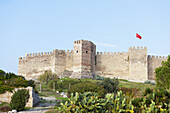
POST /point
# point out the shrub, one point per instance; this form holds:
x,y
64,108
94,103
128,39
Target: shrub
x,y
136,102
5,88
112,103
97,77
47,76
19,99
147,91
86,87
64,84
149,82
31,83
50,84
129,91
110,85
5,108
91,103
18,82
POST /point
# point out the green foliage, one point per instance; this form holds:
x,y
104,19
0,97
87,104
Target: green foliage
x,y
64,83
129,91
19,99
5,88
9,81
31,83
110,85
112,103
163,74
51,82
86,87
149,82
47,76
136,102
2,74
148,91
17,82
97,77
91,103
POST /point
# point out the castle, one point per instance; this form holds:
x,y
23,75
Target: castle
x,y
83,62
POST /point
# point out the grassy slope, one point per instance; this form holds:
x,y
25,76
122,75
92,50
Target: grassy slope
x,y
141,86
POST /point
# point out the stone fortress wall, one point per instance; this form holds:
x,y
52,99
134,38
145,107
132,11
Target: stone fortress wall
x,y
83,62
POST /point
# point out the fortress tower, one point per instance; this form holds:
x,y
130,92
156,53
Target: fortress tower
x,y
83,59
138,63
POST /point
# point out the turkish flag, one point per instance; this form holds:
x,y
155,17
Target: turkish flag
x,y
138,36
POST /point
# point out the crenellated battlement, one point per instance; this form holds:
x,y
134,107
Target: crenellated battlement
x,y
56,51
137,48
157,57
38,54
82,42
85,62
112,53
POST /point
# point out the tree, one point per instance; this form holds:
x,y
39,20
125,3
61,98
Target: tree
x,y
110,85
19,99
47,76
163,74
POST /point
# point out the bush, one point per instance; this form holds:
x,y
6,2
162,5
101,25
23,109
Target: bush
x,y
5,88
149,82
47,76
64,84
110,85
50,84
31,83
86,87
136,102
91,103
19,99
5,109
112,103
147,91
18,82
130,92
97,77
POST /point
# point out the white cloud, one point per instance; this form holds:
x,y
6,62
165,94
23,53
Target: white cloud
x,y
106,45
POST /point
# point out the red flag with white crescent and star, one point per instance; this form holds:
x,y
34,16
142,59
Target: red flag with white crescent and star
x,y
138,36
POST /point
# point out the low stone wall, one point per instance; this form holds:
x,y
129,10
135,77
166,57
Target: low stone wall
x,y
34,97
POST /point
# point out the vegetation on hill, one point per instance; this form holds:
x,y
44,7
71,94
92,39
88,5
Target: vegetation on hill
x,y
9,81
47,76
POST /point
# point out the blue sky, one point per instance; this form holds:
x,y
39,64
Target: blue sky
x,y
32,26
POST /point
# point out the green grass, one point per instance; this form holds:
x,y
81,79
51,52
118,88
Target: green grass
x,y
141,86
61,98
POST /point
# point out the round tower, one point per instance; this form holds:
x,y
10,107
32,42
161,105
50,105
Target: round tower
x,y
84,59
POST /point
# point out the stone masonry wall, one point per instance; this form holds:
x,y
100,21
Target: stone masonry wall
x,y
83,61
113,64
33,100
153,63
32,65
138,64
